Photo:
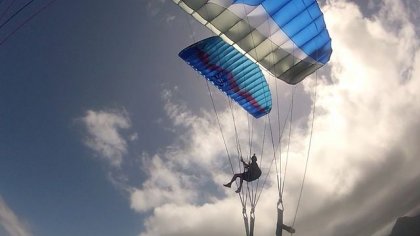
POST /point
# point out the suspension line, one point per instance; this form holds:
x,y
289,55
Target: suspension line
x,y
308,152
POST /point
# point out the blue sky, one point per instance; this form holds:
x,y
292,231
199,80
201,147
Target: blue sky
x,y
105,131
73,57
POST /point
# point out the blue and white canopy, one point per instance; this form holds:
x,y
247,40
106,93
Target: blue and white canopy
x,y
231,72
288,38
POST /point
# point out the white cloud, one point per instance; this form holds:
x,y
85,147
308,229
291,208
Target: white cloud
x,y
164,185
176,174
104,134
363,166
134,137
207,219
362,110
10,222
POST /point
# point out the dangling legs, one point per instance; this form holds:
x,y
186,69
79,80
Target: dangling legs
x,y
288,229
240,185
233,179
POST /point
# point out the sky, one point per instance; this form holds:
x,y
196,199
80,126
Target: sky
x,y
105,131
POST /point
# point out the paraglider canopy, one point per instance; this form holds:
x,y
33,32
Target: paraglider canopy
x,y
231,72
288,38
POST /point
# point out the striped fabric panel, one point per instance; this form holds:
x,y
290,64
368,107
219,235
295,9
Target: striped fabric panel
x,y
231,72
288,38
